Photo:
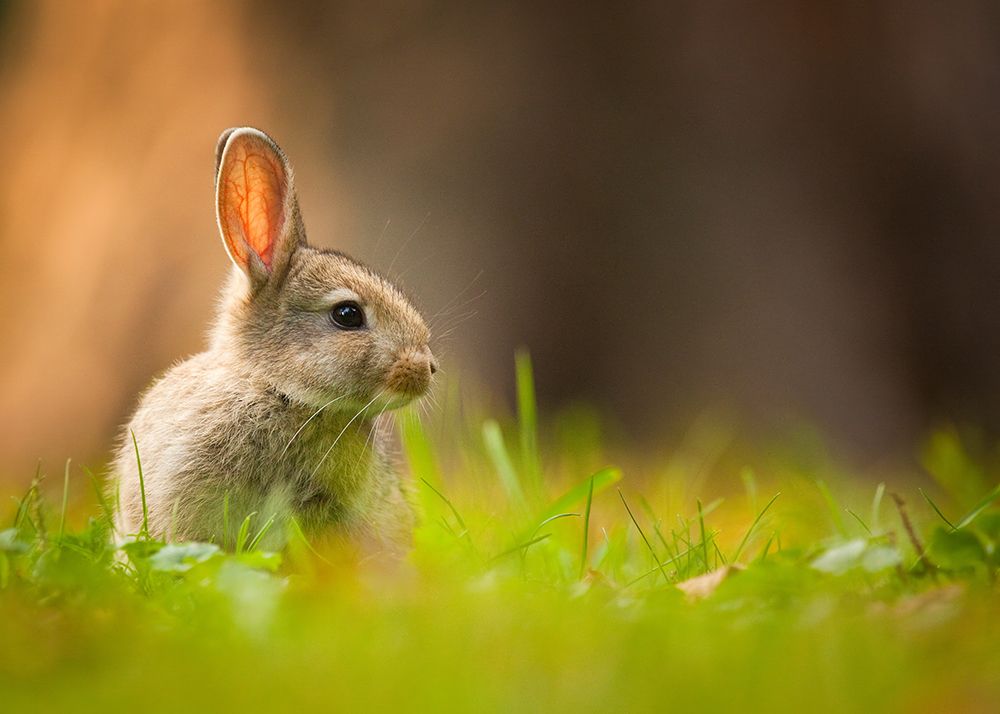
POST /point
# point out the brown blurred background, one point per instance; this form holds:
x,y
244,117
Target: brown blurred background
x,y
786,211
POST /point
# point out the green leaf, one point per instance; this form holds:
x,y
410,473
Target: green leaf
x,y
261,560
880,557
988,525
180,557
140,548
9,542
841,558
956,550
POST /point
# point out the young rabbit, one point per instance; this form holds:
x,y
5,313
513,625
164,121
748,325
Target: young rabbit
x,y
279,416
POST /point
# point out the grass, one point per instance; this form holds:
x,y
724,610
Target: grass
x,y
541,579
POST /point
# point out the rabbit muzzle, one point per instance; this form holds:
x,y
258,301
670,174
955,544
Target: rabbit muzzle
x,y
410,374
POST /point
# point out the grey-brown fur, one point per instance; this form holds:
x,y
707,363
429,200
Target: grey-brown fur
x,y
243,423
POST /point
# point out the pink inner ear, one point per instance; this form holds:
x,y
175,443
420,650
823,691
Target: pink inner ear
x,y
252,198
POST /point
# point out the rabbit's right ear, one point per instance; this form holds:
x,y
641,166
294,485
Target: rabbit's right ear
x,y
255,204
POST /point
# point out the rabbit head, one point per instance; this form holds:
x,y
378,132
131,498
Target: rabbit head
x,y
312,325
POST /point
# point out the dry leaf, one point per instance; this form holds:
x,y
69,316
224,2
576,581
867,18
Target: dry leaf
x,y
704,585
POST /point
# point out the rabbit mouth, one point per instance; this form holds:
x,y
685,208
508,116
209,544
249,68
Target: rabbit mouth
x,y
397,400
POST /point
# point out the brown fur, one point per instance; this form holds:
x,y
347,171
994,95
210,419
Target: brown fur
x,y
244,422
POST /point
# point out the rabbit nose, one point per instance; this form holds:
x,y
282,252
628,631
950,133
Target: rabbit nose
x,y
411,373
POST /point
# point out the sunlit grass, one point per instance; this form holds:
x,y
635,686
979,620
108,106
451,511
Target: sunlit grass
x,y
542,578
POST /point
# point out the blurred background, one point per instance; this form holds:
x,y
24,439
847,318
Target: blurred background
x,y
781,212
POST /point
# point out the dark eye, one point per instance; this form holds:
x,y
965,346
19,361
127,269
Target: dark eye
x,y
348,316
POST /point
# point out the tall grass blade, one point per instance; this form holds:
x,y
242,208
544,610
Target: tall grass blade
x,y
750,485
496,449
520,548
144,530
107,512
979,508
936,509
704,543
877,507
595,483
417,447
23,512
833,506
65,501
225,519
586,529
465,534
860,521
660,565
295,529
527,421
753,526
645,540
556,517
244,533
261,533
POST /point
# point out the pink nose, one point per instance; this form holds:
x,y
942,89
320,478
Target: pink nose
x,y
411,373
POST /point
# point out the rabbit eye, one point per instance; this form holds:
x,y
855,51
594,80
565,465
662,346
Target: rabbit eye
x,y
348,316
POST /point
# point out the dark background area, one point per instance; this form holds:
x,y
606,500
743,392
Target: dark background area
x,y
786,212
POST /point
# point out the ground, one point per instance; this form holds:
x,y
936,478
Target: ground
x,y
540,580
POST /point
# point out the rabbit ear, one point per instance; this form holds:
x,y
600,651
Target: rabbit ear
x,y
255,204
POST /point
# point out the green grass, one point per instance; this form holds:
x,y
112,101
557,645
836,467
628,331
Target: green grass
x,y
541,579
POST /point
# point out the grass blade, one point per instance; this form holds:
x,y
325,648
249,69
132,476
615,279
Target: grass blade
x,y
454,511
595,483
107,512
500,458
225,519
833,506
295,528
979,508
527,420
704,543
144,530
753,526
750,486
586,529
65,501
417,447
645,540
859,520
669,561
244,532
261,533
936,509
877,506
521,547
556,517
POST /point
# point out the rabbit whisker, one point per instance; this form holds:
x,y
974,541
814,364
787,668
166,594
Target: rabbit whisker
x,y
314,415
405,242
448,306
376,423
454,325
353,418
381,236
450,312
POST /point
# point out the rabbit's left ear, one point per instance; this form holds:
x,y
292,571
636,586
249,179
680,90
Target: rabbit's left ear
x,y
255,204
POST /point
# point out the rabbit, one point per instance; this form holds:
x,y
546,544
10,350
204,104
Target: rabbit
x,y
279,416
